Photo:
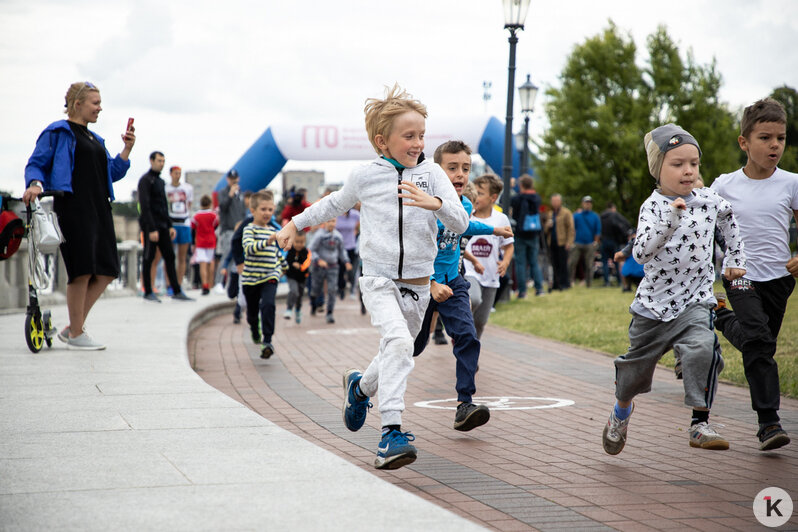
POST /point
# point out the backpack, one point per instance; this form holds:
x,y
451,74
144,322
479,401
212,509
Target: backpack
x,y
12,230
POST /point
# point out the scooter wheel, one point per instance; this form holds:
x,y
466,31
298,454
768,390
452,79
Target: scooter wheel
x,y
34,333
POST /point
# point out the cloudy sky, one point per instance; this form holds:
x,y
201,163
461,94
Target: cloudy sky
x,y
204,79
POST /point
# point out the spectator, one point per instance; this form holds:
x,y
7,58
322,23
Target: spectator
x,y
614,228
559,231
587,225
157,229
232,210
70,158
527,242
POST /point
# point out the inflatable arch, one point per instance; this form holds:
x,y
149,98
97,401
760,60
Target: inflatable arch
x,y
322,142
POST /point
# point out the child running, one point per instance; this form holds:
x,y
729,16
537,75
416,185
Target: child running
x,y
764,197
449,291
205,222
673,306
263,266
298,259
329,255
494,253
402,195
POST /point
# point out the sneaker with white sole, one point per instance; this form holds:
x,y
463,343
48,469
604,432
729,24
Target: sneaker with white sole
x,y
470,416
614,436
84,342
287,314
395,450
772,437
63,335
704,436
354,409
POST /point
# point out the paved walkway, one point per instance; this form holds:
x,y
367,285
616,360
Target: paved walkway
x,y
132,439
541,468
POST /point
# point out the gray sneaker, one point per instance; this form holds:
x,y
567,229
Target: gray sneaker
x,y
84,342
614,437
704,436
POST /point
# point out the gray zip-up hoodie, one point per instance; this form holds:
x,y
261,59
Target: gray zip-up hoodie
x,y
396,241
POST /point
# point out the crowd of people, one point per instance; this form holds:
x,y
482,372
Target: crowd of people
x,y
419,243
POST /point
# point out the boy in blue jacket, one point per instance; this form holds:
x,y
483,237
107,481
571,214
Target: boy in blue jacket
x,y
449,291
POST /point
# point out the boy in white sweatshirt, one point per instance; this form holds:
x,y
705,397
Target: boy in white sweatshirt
x,y
402,195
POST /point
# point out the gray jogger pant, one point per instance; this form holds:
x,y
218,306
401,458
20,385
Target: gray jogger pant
x,y
692,338
396,309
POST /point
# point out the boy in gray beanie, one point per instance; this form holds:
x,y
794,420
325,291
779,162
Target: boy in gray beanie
x,y
674,304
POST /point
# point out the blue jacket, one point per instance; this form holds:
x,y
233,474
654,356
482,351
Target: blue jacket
x,y
447,262
588,227
53,160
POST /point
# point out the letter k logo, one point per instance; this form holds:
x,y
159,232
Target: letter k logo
x,y
772,506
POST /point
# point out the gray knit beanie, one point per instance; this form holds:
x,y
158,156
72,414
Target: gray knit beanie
x,y
663,139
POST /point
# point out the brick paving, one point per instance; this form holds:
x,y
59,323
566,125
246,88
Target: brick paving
x,y
527,469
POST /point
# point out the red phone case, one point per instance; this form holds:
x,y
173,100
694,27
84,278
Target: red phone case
x,y
129,123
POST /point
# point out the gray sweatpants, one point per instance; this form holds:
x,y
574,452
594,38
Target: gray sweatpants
x,y
397,310
481,302
692,338
317,278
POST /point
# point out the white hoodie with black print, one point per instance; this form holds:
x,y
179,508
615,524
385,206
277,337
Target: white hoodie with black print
x,y
675,247
396,241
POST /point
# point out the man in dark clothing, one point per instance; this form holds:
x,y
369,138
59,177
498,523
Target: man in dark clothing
x,y
527,242
614,228
157,229
232,210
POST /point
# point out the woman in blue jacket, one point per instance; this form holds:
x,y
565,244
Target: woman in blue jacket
x,y
70,158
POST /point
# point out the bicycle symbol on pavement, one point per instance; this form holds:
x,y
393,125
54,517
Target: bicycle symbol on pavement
x,y
501,403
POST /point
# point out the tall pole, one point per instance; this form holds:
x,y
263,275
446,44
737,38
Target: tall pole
x,y
525,149
507,169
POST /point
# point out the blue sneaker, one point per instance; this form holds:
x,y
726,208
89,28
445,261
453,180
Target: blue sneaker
x,y
395,450
354,410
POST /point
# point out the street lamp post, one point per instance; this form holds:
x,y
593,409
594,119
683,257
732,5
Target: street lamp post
x,y
527,93
514,16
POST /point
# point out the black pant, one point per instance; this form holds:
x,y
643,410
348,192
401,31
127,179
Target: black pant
x,y
260,299
232,284
559,266
752,327
167,252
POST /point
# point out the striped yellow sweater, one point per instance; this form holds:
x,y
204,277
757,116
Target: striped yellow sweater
x,y
263,261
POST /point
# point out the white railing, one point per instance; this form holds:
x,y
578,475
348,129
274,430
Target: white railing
x,y
14,276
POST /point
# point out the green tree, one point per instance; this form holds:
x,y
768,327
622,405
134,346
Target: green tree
x,y
606,104
789,98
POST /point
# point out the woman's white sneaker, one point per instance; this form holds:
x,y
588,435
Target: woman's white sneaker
x,y
84,342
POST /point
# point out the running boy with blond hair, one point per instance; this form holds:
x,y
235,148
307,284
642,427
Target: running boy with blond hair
x,y
402,196
764,198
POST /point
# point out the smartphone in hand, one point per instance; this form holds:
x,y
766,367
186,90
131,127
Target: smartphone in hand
x,y
129,124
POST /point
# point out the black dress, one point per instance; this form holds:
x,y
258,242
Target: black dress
x,y
85,214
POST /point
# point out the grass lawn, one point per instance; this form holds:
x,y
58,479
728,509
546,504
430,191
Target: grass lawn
x,y
599,317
